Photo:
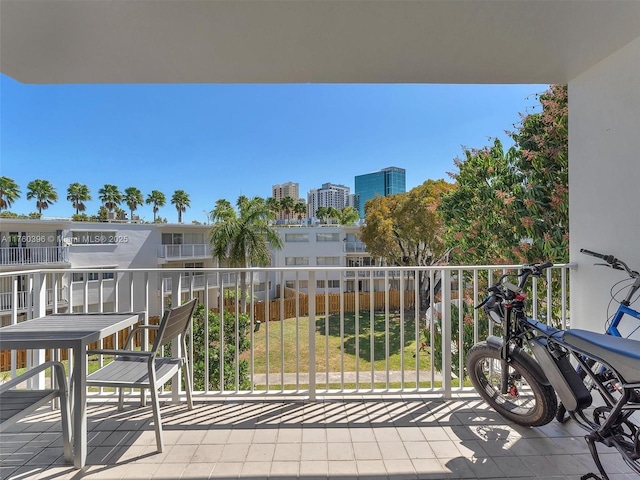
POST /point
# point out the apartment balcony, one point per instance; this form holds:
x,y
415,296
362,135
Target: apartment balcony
x,y
184,252
20,257
331,385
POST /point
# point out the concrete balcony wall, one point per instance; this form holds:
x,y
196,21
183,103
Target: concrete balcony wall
x,y
604,141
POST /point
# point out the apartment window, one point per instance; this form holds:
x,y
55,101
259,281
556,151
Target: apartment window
x,y
330,284
172,239
292,284
91,276
327,237
328,261
108,276
293,261
296,237
78,277
80,237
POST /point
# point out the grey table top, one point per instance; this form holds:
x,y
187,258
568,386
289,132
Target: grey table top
x,y
64,330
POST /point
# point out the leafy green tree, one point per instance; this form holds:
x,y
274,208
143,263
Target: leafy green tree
x,y
181,201
405,229
300,209
242,238
287,204
133,197
541,199
9,192
157,199
44,193
110,196
478,229
513,207
77,194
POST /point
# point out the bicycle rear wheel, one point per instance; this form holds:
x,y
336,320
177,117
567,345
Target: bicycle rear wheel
x,y
527,402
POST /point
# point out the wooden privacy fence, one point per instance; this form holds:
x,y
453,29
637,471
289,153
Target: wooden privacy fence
x,y
337,302
291,305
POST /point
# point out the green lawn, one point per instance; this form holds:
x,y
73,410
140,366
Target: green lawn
x,y
293,334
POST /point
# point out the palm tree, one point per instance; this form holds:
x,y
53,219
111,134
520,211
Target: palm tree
x,y
301,210
158,200
348,216
287,204
222,211
332,213
9,192
133,197
274,207
243,237
321,214
110,195
181,200
77,194
44,193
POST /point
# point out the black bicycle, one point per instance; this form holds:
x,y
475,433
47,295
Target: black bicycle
x,y
523,373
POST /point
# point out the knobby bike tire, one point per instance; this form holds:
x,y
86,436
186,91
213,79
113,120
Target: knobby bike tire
x,y
537,408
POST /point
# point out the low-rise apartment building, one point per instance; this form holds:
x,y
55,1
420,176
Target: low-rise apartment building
x,y
87,257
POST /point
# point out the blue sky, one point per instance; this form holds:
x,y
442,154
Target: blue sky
x,y
222,141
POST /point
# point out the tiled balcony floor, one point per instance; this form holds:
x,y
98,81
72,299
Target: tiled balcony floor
x,y
338,438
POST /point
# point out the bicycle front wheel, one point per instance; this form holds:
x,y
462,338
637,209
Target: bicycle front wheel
x,y
527,402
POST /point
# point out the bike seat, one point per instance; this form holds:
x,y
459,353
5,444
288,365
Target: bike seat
x,y
622,354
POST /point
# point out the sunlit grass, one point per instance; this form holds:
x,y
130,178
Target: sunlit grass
x,y
394,343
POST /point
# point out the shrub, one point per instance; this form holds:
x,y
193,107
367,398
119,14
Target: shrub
x,y
230,352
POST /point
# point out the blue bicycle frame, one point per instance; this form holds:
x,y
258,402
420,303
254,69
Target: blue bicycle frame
x,y
624,309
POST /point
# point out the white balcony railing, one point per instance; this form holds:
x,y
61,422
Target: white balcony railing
x,y
373,340
24,300
33,255
171,252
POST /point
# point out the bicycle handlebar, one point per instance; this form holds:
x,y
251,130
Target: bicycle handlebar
x,y
612,261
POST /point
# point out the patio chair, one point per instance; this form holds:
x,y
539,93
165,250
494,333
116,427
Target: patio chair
x,y
18,403
146,369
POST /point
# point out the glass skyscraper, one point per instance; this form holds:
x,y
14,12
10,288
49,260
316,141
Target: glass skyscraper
x,y
387,181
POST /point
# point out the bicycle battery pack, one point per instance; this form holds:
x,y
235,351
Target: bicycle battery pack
x,y
562,376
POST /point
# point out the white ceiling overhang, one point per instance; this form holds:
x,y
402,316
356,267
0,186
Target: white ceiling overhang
x,y
319,41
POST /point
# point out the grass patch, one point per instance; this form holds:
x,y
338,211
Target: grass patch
x,y
360,341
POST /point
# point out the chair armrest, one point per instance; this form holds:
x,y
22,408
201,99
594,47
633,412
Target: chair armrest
x,y
59,368
127,343
120,353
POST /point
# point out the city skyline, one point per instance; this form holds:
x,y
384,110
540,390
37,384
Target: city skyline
x,y
222,141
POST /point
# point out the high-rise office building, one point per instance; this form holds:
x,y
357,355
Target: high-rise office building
x,y
387,181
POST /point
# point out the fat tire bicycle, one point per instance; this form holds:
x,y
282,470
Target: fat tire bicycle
x,y
522,374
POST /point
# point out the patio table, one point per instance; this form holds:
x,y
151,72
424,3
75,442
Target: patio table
x,y
75,331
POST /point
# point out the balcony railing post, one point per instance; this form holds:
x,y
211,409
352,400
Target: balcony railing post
x,y
176,289
312,335
39,310
446,333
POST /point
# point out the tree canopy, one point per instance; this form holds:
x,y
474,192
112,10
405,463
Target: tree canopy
x,y
9,192
77,194
181,201
513,206
43,191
